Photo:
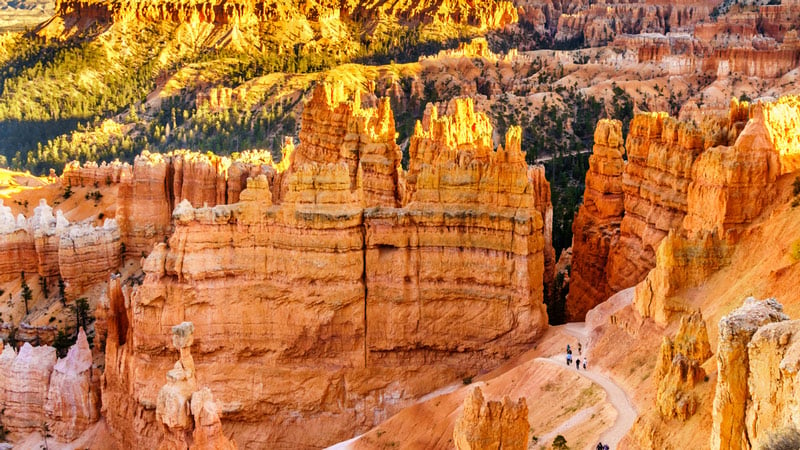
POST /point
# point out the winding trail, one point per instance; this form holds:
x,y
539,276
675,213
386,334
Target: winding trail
x,y
626,413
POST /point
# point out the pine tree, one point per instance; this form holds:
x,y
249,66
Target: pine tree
x,y
27,295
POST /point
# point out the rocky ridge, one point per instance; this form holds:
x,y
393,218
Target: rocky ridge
x,y
383,307
596,227
731,186
47,244
687,189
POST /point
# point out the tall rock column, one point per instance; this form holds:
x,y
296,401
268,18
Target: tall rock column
x,y
731,395
596,228
173,410
72,400
679,368
774,382
190,417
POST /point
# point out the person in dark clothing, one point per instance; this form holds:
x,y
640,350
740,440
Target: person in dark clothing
x,y
569,350
579,348
578,363
599,446
605,446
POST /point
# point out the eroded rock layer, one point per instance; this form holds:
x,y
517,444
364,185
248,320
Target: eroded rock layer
x,y
156,183
731,186
332,301
731,398
688,191
36,388
488,425
595,229
679,368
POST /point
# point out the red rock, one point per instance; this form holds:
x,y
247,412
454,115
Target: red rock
x,y
336,315
595,229
488,425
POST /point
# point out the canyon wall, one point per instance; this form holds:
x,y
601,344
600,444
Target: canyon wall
x,y
733,399
599,24
595,229
670,165
731,186
49,245
314,24
328,300
151,188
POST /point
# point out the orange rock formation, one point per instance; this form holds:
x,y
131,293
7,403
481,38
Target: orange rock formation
x,y
150,190
692,184
367,298
595,229
73,398
678,369
492,425
732,401
35,388
731,185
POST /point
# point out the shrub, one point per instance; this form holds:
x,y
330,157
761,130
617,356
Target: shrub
x,y
794,251
560,443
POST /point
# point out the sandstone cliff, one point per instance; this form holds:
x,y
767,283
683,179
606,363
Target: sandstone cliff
x,y
73,397
16,246
731,399
315,25
337,130
595,229
491,425
730,187
80,254
367,304
598,24
26,378
156,183
688,191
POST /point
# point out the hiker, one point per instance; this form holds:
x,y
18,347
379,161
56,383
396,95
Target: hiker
x,y
579,347
605,446
569,359
584,363
599,446
569,350
578,363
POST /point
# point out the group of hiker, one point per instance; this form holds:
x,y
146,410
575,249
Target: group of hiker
x,y
577,359
601,446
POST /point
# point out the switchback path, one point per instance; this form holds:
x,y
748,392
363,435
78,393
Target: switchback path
x,y
626,413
